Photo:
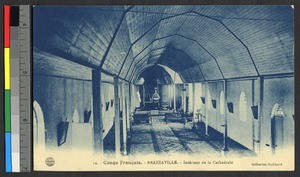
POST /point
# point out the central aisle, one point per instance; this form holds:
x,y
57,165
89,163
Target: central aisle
x,y
169,139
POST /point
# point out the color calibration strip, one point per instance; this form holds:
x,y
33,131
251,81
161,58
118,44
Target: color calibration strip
x,y
13,48
7,94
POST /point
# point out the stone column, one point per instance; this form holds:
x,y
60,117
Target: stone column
x,y
257,142
117,117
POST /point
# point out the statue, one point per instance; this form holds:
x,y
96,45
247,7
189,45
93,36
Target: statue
x,y
155,96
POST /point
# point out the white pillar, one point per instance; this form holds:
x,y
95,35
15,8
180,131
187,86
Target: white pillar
x,y
129,100
170,95
184,98
184,105
144,96
194,106
225,148
174,93
124,118
207,102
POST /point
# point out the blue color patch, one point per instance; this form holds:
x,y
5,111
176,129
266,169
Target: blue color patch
x,y
8,155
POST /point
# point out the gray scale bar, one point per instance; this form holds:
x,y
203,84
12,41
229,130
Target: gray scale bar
x,y
15,98
25,88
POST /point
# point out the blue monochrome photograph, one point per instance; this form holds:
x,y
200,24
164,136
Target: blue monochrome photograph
x,y
163,88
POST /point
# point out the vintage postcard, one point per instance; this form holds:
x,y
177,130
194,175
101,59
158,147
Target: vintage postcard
x,y
149,88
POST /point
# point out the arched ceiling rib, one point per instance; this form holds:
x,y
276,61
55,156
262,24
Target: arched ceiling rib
x,y
203,54
220,41
233,50
174,53
208,30
114,36
150,33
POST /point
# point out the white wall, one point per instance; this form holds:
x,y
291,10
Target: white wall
x,y
107,94
276,90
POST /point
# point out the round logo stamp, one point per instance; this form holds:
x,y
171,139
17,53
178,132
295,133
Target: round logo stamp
x,y
49,161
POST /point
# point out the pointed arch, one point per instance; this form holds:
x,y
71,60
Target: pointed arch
x,y
277,111
38,126
243,107
75,117
277,129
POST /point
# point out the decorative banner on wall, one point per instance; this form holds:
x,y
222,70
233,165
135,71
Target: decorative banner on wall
x,y
254,112
230,107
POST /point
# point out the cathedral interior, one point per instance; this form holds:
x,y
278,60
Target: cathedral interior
x,y
203,81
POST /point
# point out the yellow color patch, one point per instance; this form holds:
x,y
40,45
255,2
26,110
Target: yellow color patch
x,y
7,68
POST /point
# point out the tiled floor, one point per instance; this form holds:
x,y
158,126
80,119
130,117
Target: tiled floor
x,y
175,138
141,141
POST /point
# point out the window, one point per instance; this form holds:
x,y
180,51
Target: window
x,y
277,111
243,107
38,127
38,116
75,117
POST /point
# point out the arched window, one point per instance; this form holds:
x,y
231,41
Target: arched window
x,y
243,107
222,103
38,126
277,128
75,116
37,113
277,111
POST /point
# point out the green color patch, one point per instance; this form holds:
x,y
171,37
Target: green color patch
x,y
7,110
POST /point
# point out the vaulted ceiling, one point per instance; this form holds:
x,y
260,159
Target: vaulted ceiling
x,y
200,43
